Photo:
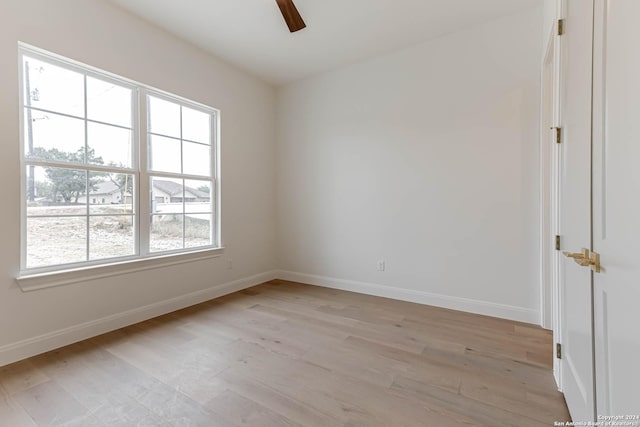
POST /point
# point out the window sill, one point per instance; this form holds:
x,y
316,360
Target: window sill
x,y
32,282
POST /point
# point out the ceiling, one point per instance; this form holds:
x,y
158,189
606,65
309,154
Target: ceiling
x,y
252,35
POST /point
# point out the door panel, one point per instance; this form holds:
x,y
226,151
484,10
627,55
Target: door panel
x,y
575,208
616,205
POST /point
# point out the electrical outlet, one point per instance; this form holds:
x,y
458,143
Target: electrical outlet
x,y
229,264
381,265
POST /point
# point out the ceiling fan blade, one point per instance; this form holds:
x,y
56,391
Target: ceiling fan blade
x,y
291,15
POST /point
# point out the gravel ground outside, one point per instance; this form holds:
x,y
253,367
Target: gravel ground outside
x,y
63,240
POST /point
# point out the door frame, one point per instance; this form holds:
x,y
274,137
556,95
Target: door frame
x,y
550,195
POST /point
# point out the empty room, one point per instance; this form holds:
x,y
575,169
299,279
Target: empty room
x,y
319,213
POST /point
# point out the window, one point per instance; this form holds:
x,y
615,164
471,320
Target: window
x,y
180,162
112,170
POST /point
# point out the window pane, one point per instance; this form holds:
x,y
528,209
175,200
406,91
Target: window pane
x,y
166,195
52,241
197,230
164,117
166,232
53,88
164,154
55,191
196,126
198,196
167,218
111,193
53,137
109,145
108,102
111,236
197,158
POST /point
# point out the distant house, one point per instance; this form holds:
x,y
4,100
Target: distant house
x,y
106,192
172,192
163,191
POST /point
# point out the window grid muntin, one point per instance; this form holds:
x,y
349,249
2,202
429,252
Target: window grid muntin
x,y
71,116
180,139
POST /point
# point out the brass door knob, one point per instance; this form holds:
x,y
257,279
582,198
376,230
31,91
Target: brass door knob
x,y
585,258
577,256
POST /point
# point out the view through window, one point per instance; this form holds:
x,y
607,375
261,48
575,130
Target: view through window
x,y
112,169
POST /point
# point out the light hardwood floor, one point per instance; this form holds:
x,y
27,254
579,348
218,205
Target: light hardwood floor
x,y
287,354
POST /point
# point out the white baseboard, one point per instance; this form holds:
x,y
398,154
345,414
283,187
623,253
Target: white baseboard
x,y
486,308
33,346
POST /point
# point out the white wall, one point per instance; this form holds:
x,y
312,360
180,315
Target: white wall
x,y
426,158
99,34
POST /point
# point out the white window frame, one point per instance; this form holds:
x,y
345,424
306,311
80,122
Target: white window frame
x,y
37,277
145,179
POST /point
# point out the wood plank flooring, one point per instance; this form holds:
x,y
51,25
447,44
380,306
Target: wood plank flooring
x,y
287,354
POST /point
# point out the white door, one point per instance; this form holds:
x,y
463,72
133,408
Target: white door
x,y
616,207
575,208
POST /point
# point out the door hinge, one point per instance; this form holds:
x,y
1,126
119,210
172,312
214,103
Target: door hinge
x,y
557,245
559,350
560,27
558,134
